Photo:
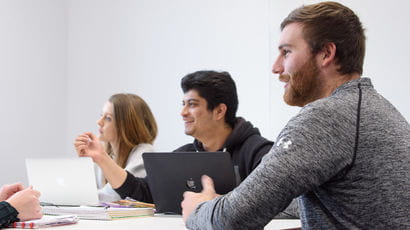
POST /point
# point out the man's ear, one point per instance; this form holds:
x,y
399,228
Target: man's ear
x,y
220,111
327,55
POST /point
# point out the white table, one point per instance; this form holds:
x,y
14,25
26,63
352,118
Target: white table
x,y
156,222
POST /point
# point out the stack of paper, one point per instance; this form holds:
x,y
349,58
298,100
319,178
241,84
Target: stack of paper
x,y
46,221
98,213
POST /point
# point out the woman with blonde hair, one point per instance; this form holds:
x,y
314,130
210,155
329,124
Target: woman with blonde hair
x,y
127,129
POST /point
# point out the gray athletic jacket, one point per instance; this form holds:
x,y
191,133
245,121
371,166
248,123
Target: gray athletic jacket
x,y
347,156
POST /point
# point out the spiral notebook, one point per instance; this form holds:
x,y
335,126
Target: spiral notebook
x,y
46,221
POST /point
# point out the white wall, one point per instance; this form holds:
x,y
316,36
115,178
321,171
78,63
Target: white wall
x,y
32,83
82,51
147,46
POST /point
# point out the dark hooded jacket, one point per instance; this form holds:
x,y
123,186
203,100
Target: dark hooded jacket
x,y
245,144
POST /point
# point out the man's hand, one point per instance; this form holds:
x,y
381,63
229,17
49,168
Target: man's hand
x,y
9,189
192,200
27,204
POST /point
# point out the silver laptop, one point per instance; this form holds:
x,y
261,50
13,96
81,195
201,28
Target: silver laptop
x,y
170,174
63,181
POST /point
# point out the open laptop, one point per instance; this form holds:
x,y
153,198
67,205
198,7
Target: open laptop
x,y
170,174
63,181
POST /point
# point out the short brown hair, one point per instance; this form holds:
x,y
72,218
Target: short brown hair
x,y
332,22
134,122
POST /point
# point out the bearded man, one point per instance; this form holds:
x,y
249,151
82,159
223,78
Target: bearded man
x,y
346,154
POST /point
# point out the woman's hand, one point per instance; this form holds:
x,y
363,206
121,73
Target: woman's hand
x,y
88,145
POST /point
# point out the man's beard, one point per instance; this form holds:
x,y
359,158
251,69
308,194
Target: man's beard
x,y
304,85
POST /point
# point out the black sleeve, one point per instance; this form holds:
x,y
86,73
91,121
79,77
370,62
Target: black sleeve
x,y
256,148
264,148
8,214
136,188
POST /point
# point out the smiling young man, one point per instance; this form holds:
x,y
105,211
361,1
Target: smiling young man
x,y
346,153
209,112
204,124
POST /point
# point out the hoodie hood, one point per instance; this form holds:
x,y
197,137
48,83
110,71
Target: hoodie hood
x,y
242,130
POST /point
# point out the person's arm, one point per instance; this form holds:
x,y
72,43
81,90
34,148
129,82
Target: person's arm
x,y
306,155
23,202
8,214
88,145
114,174
136,188
290,212
262,147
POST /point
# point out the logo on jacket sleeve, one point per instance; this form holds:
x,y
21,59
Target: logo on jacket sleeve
x,y
284,142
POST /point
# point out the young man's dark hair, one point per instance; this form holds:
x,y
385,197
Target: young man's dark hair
x,y
215,88
347,32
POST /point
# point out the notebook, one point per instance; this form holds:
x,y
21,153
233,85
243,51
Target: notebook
x,y
46,221
63,181
169,175
98,213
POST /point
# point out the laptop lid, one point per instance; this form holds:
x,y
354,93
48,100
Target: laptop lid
x,y
170,174
63,181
